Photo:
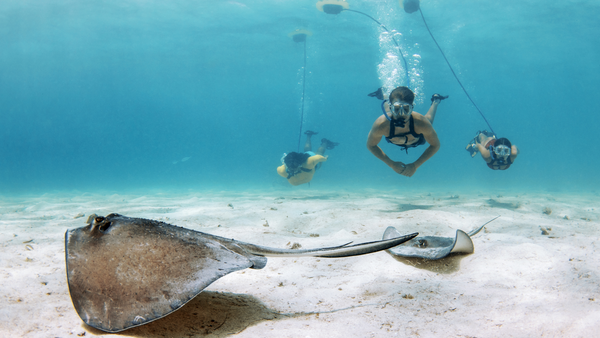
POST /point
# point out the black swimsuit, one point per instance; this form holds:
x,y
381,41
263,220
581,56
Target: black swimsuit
x,y
411,130
292,174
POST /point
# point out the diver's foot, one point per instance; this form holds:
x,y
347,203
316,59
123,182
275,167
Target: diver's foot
x,y
472,149
472,142
378,94
310,133
438,97
328,144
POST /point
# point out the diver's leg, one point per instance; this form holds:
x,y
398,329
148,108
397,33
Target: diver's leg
x,y
308,144
431,112
486,139
481,138
471,146
322,148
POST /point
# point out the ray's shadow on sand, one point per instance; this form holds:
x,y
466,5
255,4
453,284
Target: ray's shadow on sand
x,y
214,314
446,265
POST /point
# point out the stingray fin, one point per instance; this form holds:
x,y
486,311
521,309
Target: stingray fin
x,y
258,262
462,243
390,232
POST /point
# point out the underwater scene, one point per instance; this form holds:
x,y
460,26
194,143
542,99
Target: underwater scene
x,y
299,168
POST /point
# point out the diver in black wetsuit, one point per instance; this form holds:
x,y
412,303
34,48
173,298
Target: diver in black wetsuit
x,y
402,126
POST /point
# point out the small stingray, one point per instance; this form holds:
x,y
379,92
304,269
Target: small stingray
x,y
125,272
433,247
408,207
495,204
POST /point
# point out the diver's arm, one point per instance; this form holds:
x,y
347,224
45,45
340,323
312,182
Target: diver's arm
x,y
314,160
434,145
281,171
485,153
514,152
373,140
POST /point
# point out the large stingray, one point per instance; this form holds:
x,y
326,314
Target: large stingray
x,y
125,272
433,247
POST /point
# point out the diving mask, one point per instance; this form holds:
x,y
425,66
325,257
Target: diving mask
x,y
502,150
400,108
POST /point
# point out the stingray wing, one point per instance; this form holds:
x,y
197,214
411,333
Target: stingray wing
x,y
462,243
135,272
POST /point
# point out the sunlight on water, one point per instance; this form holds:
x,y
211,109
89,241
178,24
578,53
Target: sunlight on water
x,y
391,70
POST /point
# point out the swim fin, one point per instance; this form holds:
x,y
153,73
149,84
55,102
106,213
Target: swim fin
x,y
471,148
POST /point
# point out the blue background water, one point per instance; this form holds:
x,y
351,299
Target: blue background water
x,y
113,94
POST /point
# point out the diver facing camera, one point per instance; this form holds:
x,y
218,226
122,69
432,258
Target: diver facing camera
x,y
401,109
498,154
402,126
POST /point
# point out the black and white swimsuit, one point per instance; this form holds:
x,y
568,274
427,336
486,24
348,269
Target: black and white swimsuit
x,y
411,131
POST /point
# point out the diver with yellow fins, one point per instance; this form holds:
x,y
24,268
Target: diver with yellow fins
x,y
299,168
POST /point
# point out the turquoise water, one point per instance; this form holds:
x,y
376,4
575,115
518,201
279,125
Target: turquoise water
x,y
113,95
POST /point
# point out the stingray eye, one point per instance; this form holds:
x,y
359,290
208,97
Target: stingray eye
x,y
105,226
99,219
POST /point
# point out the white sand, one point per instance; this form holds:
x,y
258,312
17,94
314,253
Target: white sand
x,y
518,283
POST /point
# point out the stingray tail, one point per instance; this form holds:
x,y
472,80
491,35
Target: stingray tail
x,y
476,231
345,250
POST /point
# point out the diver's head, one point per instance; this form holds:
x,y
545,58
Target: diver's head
x,y
402,94
401,102
294,160
502,147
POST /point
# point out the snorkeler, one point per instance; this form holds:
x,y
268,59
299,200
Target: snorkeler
x,y
299,168
402,126
499,154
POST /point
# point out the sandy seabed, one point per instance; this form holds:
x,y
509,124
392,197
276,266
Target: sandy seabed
x,y
534,273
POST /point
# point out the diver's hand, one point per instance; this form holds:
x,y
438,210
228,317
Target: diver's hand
x,y
438,98
409,170
398,167
378,93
